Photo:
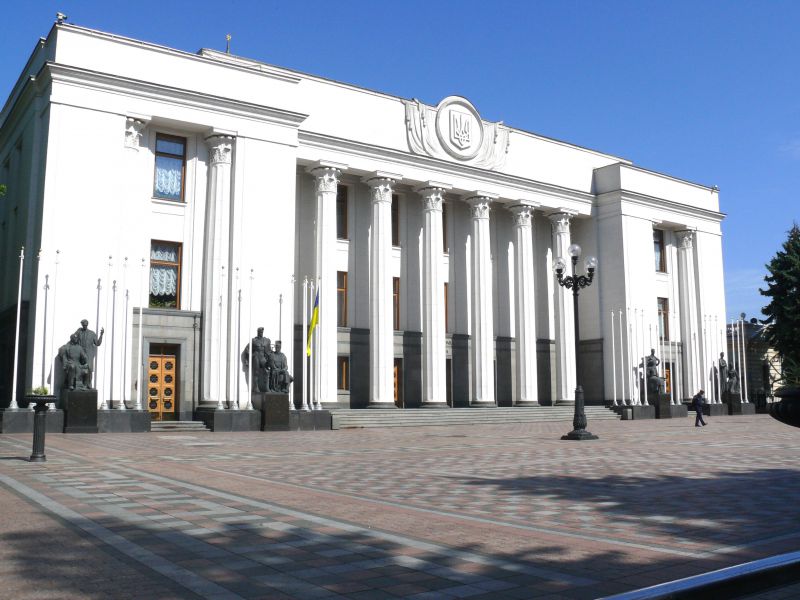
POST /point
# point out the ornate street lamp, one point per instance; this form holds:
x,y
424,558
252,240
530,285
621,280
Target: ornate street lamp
x,y
576,282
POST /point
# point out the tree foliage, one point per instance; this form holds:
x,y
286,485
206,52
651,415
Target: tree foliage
x,y
2,189
783,310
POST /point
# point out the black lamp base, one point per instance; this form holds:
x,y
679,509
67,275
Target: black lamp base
x,y
580,435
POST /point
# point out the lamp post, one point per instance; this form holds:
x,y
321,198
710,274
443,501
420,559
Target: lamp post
x,y
576,282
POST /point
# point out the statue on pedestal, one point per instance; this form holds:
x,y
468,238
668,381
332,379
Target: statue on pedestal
x,y
655,384
281,379
734,386
89,341
77,374
723,372
262,362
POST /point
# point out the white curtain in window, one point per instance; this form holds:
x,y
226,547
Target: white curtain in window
x,y
164,252
168,177
163,280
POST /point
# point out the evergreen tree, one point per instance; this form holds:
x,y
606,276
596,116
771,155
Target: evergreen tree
x,y
783,311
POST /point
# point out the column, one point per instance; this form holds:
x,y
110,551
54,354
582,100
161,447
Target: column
x,y
482,337
527,380
324,354
381,326
687,293
216,245
565,319
434,361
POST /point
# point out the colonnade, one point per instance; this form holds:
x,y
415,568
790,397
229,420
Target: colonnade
x,y
381,332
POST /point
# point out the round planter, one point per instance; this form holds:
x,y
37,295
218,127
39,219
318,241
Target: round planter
x,y
788,409
32,399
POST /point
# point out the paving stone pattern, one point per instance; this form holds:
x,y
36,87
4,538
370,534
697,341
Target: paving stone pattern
x,y
492,511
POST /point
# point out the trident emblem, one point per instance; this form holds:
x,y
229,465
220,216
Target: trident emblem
x,y
460,129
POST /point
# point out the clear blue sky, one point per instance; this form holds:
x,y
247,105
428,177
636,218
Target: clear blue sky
x,y
705,91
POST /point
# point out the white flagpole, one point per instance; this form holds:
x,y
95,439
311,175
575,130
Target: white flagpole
x,y
237,356
735,344
249,405
124,367
631,382
318,366
142,297
635,354
52,329
13,404
644,362
621,358
744,360
221,364
304,338
105,402
613,359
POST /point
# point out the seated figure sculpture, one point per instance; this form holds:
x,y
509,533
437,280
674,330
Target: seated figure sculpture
x,y
281,379
75,363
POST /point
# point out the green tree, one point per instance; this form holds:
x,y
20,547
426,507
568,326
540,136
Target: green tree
x,y
2,189
783,310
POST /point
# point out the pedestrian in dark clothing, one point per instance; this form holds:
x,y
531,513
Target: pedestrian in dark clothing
x,y
697,405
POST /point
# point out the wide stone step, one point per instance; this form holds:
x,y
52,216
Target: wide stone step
x,y
162,426
363,418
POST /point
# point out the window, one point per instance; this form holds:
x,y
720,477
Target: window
x,y
165,274
170,167
446,312
395,220
658,247
341,212
663,317
343,373
396,302
341,298
445,246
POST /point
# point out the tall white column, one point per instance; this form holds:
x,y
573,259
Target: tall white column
x,y
217,255
434,360
381,326
482,329
565,316
327,179
688,303
527,380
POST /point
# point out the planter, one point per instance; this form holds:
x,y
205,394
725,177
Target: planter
x,y
32,399
788,409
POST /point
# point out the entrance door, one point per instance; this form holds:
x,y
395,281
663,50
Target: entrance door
x,y
162,373
448,382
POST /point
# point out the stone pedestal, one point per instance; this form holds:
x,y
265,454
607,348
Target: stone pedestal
x,y
275,413
735,406
123,421
315,420
80,411
715,410
638,412
16,420
661,403
228,420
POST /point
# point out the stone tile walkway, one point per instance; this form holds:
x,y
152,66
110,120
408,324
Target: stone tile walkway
x,y
501,511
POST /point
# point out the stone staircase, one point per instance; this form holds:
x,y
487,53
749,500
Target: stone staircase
x,y
420,417
182,426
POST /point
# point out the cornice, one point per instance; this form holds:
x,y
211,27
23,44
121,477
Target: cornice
x,y
448,169
653,202
71,75
251,68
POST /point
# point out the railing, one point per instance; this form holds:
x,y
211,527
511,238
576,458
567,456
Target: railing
x,y
730,582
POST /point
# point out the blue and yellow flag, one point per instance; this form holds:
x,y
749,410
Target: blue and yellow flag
x,y
313,324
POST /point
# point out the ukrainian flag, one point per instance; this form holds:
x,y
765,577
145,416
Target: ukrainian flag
x,y
313,324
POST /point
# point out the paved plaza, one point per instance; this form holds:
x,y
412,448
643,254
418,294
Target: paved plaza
x,y
500,511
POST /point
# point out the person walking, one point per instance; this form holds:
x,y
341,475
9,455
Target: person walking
x,y
697,405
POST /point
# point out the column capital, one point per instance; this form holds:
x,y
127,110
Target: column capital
x,y
133,131
220,147
432,194
382,184
685,239
327,175
523,212
479,203
560,221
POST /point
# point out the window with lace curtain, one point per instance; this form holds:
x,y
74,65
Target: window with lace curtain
x,y
170,167
165,274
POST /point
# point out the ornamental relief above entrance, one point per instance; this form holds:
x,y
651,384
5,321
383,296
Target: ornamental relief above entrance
x,y
455,130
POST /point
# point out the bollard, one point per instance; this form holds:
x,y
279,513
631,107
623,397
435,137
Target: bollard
x,y
39,428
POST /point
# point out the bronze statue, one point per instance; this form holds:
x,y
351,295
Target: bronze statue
x,y
723,372
655,384
76,364
262,362
733,382
89,341
281,379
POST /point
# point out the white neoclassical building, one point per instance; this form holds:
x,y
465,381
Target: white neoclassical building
x,y
180,201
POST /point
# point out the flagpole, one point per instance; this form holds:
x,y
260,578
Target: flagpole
x,y
138,405
44,332
113,330
318,365
52,329
249,405
303,336
621,359
13,404
123,365
238,357
613,359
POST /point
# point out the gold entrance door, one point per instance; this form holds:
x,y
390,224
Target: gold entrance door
x,y
161,380
398,383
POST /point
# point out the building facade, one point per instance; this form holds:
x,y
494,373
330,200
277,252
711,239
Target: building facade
x,y
181,200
